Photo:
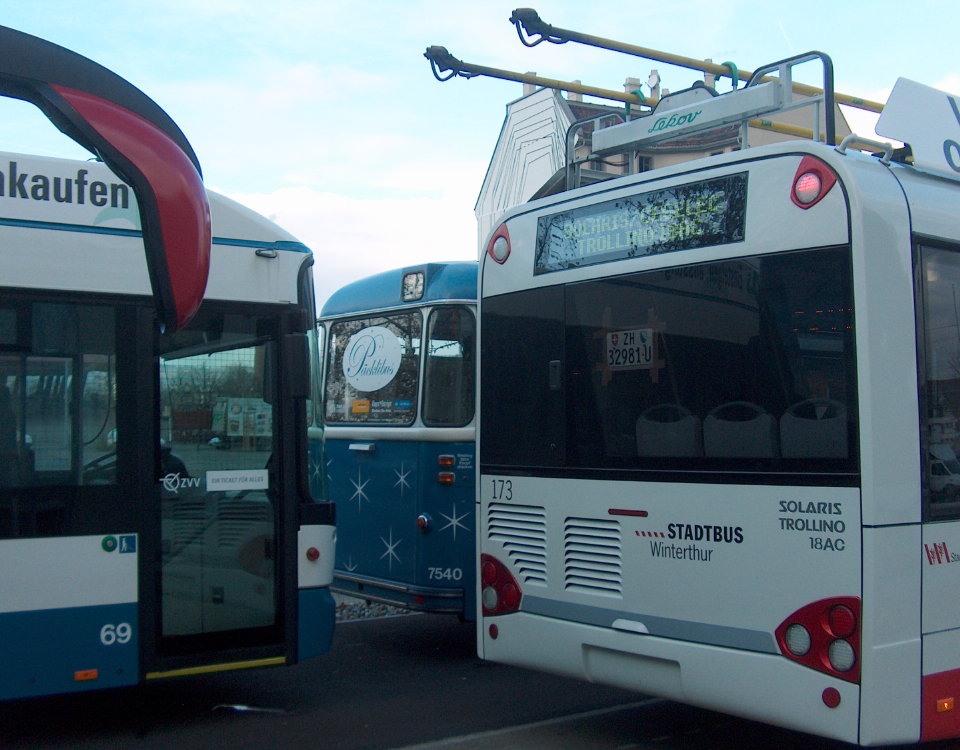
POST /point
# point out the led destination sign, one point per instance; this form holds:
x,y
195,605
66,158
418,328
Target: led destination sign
x,y
710,212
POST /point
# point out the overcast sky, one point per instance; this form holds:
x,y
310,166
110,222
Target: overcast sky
x,y
325,116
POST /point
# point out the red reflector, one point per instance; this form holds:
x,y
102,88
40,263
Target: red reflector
x,y
831,697
446,477
85,675
494,631
445,461
313,554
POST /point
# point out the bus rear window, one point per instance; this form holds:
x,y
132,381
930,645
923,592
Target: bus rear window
x,y
372,369
735,366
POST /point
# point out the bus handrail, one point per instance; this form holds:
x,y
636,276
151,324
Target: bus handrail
x,y
884,146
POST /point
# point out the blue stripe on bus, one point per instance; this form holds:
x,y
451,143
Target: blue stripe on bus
x,y
53,651
283,245
59,227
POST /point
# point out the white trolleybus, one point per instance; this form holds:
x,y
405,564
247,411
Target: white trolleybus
x,y
718,409
155,515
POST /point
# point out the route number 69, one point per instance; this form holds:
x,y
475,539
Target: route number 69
x,y
111,634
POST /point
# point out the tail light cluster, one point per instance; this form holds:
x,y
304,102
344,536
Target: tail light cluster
x,y
499,592
446,464
825,636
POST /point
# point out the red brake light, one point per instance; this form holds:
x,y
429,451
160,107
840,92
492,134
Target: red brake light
x,y
445,460
498,247
500,593
842,621
446,477
488,572
811,183
825,636
807,187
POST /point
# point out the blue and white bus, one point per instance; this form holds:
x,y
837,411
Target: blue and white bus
x,y
155,514
156,518
399,425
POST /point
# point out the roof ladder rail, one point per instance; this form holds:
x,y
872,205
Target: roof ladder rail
x,y
824,101
700,108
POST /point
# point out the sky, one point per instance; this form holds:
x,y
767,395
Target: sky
x,y
325,116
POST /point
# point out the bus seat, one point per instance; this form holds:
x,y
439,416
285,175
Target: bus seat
x,y
740,429
814,428
669,430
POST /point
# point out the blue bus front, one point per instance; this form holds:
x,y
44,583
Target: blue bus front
x,y
399,411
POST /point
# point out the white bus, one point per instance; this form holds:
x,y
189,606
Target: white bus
x,y
709,398
155,514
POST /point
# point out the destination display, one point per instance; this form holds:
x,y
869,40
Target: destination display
x,y
698,214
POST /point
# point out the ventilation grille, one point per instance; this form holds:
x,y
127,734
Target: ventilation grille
x,y
522,532
592,560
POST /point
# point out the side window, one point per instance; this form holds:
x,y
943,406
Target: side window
x,y
449,375
57,409
373,369
940,386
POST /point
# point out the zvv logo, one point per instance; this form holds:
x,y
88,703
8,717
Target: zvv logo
x,y
174,482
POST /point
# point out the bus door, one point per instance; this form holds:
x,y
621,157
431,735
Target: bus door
x,y
446,547
371,399
222,529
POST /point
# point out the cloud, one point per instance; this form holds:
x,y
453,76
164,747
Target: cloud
x,y
354,237
950,84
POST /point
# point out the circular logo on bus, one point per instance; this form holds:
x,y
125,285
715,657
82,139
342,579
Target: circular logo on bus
x,y
372,358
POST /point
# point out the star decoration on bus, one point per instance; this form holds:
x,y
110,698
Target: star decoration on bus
x,y
391,554
454,521
402,479
350,565
359,485
316,468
